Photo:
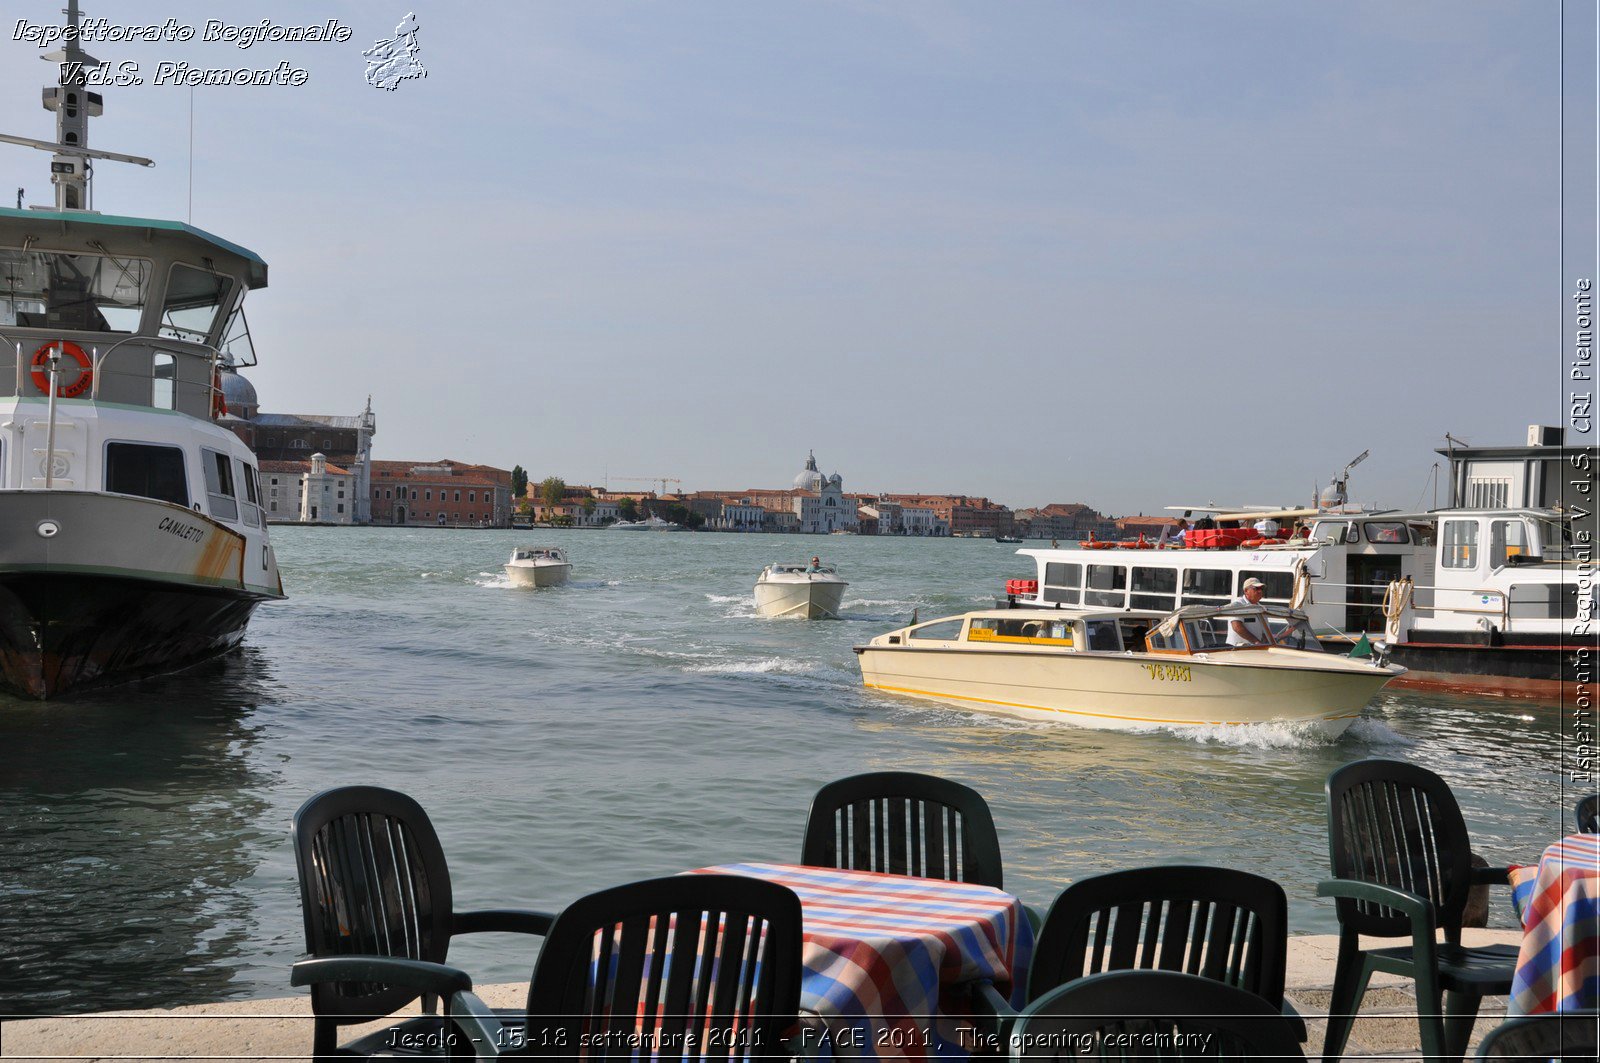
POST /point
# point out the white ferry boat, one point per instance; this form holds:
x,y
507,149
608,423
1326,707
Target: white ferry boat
x,y
132,539
1479,599
809,592
648,524
1136,669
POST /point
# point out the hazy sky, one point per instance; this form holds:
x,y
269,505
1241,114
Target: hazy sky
x,y
1126,254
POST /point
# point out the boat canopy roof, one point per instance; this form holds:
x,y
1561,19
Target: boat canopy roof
x,y
1206,612
125,235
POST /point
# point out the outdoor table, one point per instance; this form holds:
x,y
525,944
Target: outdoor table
x,y
1558,968
881,949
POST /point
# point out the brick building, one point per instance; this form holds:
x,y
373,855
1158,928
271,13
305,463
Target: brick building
x,y
448,493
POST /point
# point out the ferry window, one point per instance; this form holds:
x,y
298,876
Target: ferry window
x,y
1106,585
1279,585
164,382
1422,534
943,630
252,503
195,297
219,484
147,471
90,293
1507,538
1460,544
1061,582
1102,634
1154,588
1385,531
1207,586
1544,601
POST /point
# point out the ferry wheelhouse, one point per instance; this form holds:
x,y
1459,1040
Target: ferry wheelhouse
x,y
132,539
1482,599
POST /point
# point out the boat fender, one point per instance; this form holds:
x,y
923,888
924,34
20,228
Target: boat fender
x,y
41,369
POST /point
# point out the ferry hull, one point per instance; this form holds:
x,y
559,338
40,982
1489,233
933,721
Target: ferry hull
x,y
537,575
810,600
98,589
61,633
1527,666
1112,693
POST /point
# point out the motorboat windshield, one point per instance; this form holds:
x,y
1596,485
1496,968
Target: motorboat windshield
x,y
538,553
795,568
1204,628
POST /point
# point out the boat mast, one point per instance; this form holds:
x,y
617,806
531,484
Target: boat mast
x,y
74,105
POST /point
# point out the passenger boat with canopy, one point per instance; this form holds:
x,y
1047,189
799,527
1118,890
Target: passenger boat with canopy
x,y
132,539
1477,599
1133,669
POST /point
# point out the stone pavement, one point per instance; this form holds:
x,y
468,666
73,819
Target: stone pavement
x,y
281,1029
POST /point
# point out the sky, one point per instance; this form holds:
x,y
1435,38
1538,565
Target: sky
x,y
1133,255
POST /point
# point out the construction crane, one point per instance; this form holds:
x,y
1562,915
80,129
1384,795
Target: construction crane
x,y
662,480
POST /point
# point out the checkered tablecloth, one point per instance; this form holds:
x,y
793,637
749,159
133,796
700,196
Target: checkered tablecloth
x,y
1558,968
879,949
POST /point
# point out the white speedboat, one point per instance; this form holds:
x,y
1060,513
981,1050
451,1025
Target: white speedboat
x,y
538,566
1127,669
648,524
809,592
132,538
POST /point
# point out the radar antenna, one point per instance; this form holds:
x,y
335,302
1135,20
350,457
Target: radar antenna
x,y
1336,494
73,105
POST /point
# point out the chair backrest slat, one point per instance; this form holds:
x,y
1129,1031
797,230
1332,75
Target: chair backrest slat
x,y
903,823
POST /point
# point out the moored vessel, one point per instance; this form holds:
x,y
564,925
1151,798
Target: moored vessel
x,y
1126,669
538,566
132,540
648,524
806,592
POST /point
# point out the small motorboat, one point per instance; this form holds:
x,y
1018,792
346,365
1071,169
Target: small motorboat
x,y
538,566
809,592
1128,669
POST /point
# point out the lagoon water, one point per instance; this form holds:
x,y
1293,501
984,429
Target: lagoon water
x,y
638,722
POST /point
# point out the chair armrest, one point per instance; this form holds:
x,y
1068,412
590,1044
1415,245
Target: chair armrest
x,y
1424,923
477,1020
1491,876
992,1014
502,920
421,975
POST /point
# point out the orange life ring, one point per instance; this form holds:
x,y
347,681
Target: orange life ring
x,y
1250,544
1094,544
41,369
219,405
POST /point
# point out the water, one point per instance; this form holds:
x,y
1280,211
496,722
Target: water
x,y
638,722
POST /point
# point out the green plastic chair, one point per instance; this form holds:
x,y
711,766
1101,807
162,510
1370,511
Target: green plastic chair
x,y
688,967
379,918
1402,867
904,823
1152,1015
1544,1038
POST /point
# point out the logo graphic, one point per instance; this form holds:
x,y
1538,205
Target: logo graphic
x,y
395,60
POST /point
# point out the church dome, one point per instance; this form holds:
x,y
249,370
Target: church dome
x,y
809,479
239,394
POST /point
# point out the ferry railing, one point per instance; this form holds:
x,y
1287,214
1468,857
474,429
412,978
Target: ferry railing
x,y
99,358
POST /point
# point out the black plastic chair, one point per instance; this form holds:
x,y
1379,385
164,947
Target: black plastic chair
x,y
1402,866
692,966
903,823
1542,1038
375,893
1226,925
1152,1015
1588,814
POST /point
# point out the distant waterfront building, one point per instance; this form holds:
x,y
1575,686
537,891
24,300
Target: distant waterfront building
x,y
1064,522
307,492
449,493
345,442
894,518
963,514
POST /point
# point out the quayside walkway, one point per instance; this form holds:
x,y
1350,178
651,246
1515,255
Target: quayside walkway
x,y
281,1028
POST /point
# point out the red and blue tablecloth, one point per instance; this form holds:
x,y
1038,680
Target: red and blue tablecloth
x,y
1558,968
879,949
